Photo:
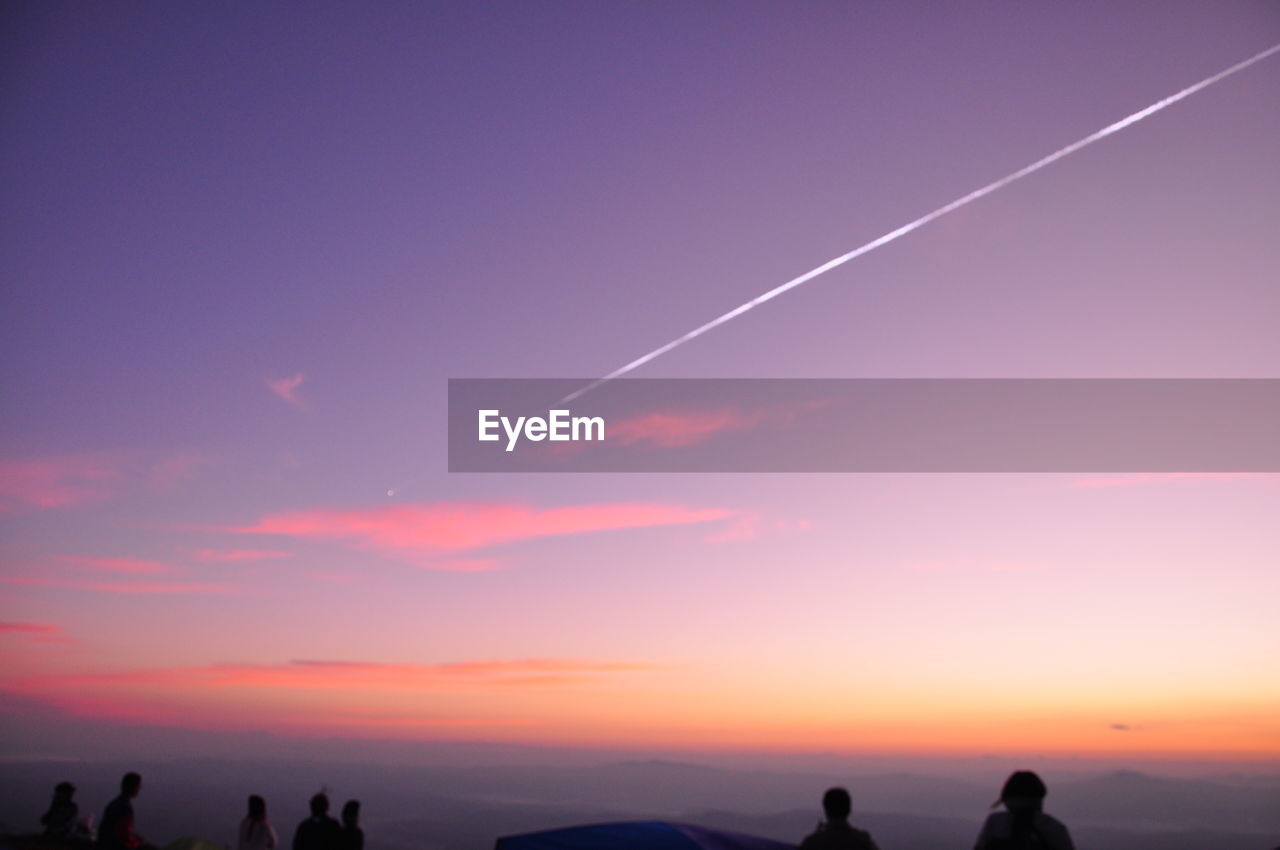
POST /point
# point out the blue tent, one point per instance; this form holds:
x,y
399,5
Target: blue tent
x,y
638,835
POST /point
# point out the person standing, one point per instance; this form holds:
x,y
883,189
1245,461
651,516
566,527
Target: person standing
x,y
318,832
60,820
256,832
836,833
116,832
352,834
1023,826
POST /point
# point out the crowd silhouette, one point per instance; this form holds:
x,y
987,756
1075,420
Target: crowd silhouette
x,y
117,830
1021,825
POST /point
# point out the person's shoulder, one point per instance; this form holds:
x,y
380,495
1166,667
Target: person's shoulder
x,y
1049,820
838,837
862,838
1053,829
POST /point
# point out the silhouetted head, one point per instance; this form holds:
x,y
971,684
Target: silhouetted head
x,y
257,808
319,805
64,791
836,804
1023,790
130,784
351,813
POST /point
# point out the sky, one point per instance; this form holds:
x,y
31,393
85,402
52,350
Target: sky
x,y
246,247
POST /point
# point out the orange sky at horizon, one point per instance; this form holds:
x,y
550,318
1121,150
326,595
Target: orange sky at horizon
x,y
628,705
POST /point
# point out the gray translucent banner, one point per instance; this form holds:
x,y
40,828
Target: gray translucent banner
x,y
878,425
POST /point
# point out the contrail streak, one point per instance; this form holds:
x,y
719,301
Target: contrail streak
x,y
923,220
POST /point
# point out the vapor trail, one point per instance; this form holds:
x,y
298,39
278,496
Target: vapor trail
x,y
923,220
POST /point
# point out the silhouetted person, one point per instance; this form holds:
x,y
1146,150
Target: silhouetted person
x,y
318,832
1022,826
835,833
256,833
352,834
116,831
60,820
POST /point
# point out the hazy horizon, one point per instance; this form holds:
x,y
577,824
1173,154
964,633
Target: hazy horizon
x,y
469,803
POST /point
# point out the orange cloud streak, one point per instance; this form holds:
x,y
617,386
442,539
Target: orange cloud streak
x,y
344,675
361,698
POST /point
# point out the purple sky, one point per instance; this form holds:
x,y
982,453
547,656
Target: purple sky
x,y
206,200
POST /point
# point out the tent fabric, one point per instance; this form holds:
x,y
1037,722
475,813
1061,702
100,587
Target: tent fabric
x,y
638,835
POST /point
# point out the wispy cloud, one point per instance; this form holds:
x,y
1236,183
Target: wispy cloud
x,y
66,480
345,675
968,565
35,632
754,526
56,482
465,565
680,427
131,566
171,471
1139,479
28,628
458,526
286,389
674,429
222,556
311,696
123,588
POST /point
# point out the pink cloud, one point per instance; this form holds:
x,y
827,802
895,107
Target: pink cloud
x,y
673,429
35,632
968,565
220,556
29,628
126,588
1137,479
131,566
458,526
56,482
174,470
753,526
287,389
677,428
464,565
